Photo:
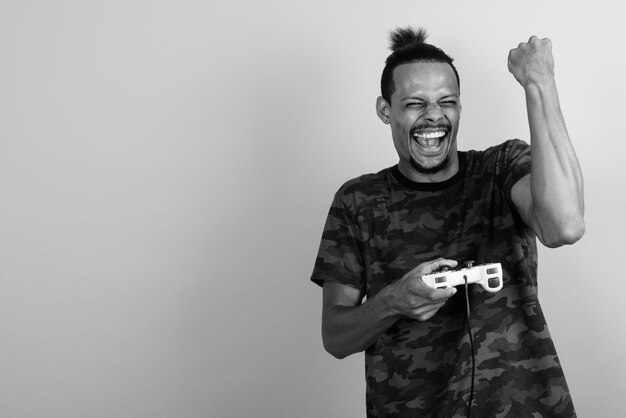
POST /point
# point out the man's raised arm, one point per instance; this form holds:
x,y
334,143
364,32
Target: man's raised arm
x,y
550,199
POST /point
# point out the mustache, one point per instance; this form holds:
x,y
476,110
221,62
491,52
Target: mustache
x,y
422,127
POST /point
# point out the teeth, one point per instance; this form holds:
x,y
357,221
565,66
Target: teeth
x,y
429,135
430,139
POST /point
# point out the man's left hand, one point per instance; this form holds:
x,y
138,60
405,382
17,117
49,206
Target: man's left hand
x,y
531,62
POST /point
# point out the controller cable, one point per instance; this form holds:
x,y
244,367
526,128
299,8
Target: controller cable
x,y
471,341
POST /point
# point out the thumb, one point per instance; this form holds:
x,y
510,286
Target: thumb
x,y
439,263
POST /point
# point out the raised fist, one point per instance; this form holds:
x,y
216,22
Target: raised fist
x,y
531,62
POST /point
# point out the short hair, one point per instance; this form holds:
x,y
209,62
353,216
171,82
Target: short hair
x,y
407,45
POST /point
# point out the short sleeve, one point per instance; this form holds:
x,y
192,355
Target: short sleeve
x,y
515,163
339,257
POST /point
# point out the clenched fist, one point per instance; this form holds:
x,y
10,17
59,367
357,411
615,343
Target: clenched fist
x,y
531,62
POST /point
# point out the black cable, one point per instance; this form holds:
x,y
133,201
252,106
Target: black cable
x,y
471,340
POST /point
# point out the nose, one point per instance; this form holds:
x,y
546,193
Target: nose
x,y
433,112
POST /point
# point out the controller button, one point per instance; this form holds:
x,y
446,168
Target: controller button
x,y
494,282
492,271
440,279
441,287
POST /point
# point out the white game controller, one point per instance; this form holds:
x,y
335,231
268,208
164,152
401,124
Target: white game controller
x,y
489,276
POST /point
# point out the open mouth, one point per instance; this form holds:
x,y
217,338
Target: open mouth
x,y
430,139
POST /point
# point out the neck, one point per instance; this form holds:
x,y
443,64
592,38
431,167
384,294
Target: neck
x,y
445,173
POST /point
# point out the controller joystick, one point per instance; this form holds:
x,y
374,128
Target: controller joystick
x,y
468,264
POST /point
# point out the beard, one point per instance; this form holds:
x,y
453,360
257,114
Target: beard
x,y
430,170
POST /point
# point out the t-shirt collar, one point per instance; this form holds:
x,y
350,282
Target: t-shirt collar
x,y
428,186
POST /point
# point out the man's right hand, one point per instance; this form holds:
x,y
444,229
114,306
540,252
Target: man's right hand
x,y
411,297
349,326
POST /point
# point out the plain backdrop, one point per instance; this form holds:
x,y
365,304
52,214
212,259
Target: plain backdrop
x,y
166,168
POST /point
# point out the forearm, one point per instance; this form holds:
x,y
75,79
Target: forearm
x,y
556,178
349,326
351,329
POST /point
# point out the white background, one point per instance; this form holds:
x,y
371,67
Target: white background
x,y
165,172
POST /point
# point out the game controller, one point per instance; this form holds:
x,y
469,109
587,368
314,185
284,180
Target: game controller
x,y
489,276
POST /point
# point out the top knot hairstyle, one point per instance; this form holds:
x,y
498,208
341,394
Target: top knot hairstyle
x,y
402,37
408,45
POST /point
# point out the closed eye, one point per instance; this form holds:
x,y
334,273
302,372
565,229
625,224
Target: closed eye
x,y
414,105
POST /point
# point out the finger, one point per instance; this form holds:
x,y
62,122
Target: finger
x,y
442,262
442,294
425,317
427,309
548,43
426,312
510,58
536,41
431,266
423,290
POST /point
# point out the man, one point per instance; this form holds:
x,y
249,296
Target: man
x,y
437,208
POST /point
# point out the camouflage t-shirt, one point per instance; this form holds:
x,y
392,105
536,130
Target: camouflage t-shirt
x,y
382,225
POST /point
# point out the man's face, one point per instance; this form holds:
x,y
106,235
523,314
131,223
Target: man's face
x,y
424,117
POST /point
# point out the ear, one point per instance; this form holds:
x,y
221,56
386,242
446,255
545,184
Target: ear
x,y
383,109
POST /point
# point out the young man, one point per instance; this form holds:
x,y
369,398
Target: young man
x,y
438,208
